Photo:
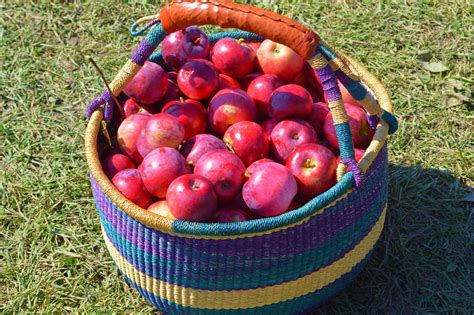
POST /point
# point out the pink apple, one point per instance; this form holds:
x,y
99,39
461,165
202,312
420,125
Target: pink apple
x,y
361,132
255,165
233,57
314,167
261,89
318,114
248,141
227,82
173,93
192,198
245,81
161,208
161,130
280,60
148,85
160,167
130,107
199,145
191,114
288,134
198,79
181,46
113,163
230,215
225,171
130,184
128,133
268,126
290,100
270,189
229,106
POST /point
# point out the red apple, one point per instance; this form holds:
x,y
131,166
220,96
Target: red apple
x,y
245,81
148,85
161,130
255,46
130,107
270,189
360,129
161,208
261,89
248,141
233,57
359,154
268,126
130,184
290,100
288,134
230,215
229,106
280,60
192,198
318,114
173,76
314,167
191,114
181,46
323,141
199,145
160,167
198,79
173,93
128,133
255,165
225,171
227,82
113,163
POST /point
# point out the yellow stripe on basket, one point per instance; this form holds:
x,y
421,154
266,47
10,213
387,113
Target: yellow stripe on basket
x,y
235,299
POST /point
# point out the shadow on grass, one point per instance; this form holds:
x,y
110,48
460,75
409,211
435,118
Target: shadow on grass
x,y
423,260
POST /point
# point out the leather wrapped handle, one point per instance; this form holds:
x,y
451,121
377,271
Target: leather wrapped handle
x,y
180,14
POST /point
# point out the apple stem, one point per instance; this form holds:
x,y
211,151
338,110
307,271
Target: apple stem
x,y
241,41
181,99
101,74
309,164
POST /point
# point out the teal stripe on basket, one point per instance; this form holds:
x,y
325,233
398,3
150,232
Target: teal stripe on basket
x,y
154,265
303,303
355,89
344,134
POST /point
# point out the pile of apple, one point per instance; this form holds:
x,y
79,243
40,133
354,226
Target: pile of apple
x,y
227,133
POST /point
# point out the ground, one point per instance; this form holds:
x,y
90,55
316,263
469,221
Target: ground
x,y
52,257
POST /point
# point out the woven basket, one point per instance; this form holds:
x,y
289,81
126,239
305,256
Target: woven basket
x,y
280,265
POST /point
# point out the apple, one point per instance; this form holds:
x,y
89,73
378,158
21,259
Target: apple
x,y
148,85
173,93
113,163
288,134
360,129
245,81
161,130
129,183
279,60
229,106
261,89
268,126
199,145
191,197
173,76
255,165
181,46
128,133
198,79
290,100
160,167
314,167
255,46
323,141
233,57
161,208
269,190
229,215
227,82
248,141
191,114
130,107
359,154
318,114
225,171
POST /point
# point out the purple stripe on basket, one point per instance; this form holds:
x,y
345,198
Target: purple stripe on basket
x,y
356,170
329,83
142,52
96,103
373,120
321,228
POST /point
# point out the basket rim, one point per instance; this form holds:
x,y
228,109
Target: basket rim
x,y
248,228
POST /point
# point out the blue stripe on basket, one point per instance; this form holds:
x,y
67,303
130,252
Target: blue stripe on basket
x,y
344,135
154,265
356,90
304,303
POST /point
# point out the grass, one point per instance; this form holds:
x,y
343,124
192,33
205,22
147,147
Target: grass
x,y
52,257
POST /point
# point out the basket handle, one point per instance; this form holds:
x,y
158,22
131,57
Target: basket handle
x,y
180,14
